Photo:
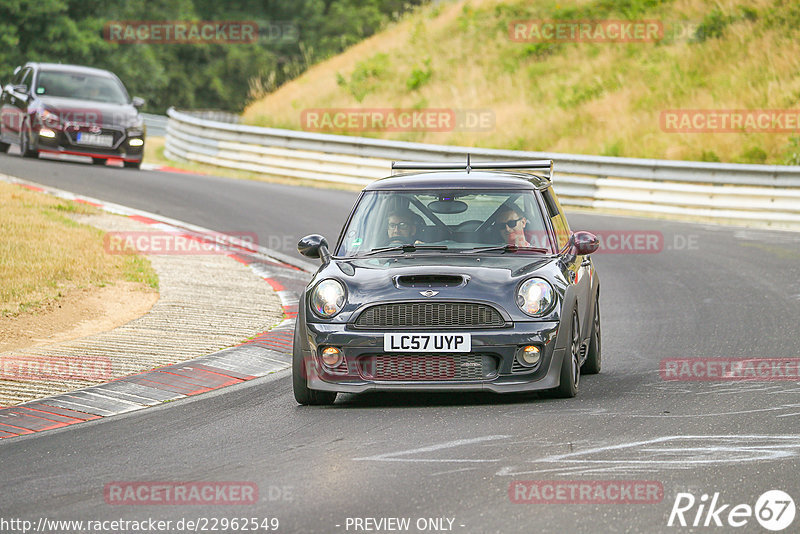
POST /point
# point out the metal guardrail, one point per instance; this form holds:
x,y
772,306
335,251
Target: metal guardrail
x,y
156,125
760,194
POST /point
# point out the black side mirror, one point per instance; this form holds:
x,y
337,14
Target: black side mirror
x,y
314,246
137,102
584,243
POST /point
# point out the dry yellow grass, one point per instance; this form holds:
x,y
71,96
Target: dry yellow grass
x,y
592,98
44,254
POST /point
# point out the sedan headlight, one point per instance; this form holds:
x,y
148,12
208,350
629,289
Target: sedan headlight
x,y
327,299
535,296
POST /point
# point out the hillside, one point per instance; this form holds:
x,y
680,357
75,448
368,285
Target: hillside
x,y
577,97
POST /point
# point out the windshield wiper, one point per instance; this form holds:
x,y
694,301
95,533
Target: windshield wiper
x,y
507,248
405,248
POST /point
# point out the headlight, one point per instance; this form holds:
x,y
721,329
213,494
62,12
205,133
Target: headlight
x,y
535,296
327,299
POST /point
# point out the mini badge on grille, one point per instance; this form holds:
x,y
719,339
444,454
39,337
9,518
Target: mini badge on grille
x,y
428,293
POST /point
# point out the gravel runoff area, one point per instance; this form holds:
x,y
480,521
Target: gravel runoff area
x,y
207,302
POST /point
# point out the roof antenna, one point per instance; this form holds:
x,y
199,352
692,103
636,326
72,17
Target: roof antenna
x,y
468,167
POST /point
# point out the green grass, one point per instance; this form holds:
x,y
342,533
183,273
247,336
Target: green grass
x,y
589,98
44,253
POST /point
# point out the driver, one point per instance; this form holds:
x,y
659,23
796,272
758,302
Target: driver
x,y
92,92
511,225
402,226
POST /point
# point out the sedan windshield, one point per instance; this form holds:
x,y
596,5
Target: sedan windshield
x,y
397,222
81,86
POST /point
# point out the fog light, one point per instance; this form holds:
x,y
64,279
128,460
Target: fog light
x,y
331,356
530,355
47,132
136,142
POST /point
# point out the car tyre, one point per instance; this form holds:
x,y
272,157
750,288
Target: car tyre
x,y
24,145
3,146
302,393
98,161
570,365
593,357
132,164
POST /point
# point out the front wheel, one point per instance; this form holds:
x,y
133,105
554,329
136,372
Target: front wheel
x,y
25,149
98,161
302,393
593,358
132,164
570,365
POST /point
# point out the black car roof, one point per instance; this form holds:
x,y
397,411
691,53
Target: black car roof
x,y
70,68
460,180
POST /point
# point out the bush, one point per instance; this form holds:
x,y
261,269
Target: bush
x,y
365,76
419,76
754,155
791,154
713,26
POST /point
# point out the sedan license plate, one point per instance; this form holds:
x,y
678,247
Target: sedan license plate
x,y
421,342
94,139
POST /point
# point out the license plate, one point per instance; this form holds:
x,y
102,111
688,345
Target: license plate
x,y
420,342
94,139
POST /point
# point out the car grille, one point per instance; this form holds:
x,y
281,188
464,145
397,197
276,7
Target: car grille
x,y
428,367
430,314
116,134
519,369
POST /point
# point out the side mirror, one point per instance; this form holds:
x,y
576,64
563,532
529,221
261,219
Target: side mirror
x,y
137,102
584,243
21,88
314,246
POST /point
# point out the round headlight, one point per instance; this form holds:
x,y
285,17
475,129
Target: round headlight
x,y
535,296
327,299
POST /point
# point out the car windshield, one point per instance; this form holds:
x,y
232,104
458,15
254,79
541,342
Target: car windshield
x,y
435,221
81,86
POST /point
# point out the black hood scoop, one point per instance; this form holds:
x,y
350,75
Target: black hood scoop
x,y
430,280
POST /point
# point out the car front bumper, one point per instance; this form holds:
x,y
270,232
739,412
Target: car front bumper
x,y
499,345
63,143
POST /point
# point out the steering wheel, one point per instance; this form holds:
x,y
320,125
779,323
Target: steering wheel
x,y
397,240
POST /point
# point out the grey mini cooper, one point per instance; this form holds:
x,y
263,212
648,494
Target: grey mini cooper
x,y
450,277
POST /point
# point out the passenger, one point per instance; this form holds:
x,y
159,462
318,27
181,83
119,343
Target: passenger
x,y
510,223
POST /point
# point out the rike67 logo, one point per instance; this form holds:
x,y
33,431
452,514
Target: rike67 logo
x,y
774,510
